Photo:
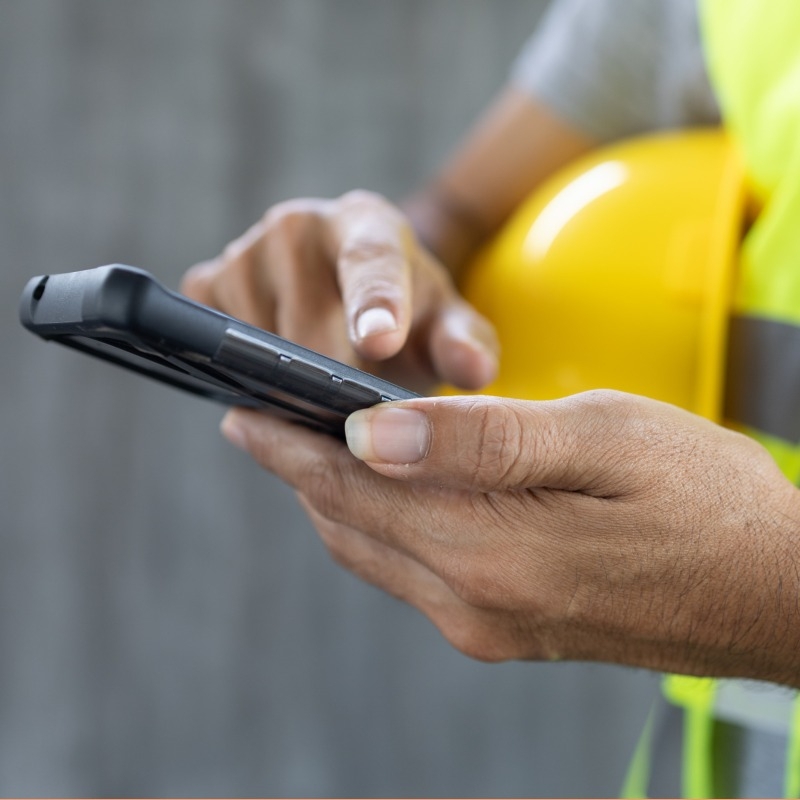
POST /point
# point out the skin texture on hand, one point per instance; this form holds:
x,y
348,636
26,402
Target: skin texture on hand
x,y
348,278
603,527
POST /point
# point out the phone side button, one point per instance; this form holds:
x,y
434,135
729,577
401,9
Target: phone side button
x,y
360,396
247,354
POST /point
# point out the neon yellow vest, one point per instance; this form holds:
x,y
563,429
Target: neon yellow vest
x,y
753,52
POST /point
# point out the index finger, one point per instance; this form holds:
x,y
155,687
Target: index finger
x,y
372,245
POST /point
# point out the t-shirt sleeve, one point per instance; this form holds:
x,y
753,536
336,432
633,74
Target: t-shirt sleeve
x,y
615,68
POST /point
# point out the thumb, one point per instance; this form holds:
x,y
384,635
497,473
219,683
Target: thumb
x,y
492,443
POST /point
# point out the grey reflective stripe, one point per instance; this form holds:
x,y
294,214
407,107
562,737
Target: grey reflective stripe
x,y
746,762
752,762
755,704
667,754
763,382
763,766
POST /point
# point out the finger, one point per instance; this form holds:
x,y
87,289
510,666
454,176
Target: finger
x,y
380,565
344,489
479,633
306,297
579,443
371,245
198,281
464,347
236,282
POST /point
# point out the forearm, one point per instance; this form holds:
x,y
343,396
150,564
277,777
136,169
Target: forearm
x,y
513,147
447,227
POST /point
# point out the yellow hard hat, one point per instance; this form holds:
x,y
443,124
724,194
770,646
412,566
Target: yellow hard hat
x,y
617,274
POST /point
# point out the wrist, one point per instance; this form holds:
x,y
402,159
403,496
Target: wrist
x,y
712,575
779,559
446,227
745,622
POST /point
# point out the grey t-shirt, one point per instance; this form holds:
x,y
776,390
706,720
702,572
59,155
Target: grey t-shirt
x,y
615,68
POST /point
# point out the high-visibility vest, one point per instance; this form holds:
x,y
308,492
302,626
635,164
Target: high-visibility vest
x,y
753,52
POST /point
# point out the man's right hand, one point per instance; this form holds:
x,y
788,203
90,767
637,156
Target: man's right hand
x,y
347,277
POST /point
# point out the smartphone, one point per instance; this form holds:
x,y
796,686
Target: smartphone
x,y
125,316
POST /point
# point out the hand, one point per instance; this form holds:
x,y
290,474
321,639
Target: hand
x,y
348,278
602,526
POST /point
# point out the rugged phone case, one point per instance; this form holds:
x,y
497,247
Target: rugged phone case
x,y
122,314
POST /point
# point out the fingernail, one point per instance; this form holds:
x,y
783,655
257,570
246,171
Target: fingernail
x,y
374,321
388,435
232,430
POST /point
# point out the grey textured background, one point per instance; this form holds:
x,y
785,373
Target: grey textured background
x,y
169,623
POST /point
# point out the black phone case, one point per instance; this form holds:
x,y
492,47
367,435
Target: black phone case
x,y
123,315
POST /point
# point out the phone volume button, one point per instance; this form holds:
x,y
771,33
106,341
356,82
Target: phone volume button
x,y
360,396
286,370
242,352
308,378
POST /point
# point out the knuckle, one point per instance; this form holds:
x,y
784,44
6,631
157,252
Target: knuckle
x,y
602,400
360,198
473,578
367,205
614,417
480,589
231,252
364,249
473,639
495,621
500,435
371,268
289,218
197,280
